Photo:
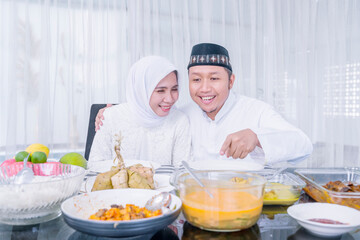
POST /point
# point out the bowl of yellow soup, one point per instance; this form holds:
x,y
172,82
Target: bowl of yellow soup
x,y
235,204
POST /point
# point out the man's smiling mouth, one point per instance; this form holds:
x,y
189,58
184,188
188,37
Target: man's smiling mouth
x,y
207,99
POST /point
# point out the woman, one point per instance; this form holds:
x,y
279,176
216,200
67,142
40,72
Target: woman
x,y
150,126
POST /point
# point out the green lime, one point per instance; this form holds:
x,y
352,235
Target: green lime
x,y
20,156
74,159
38,157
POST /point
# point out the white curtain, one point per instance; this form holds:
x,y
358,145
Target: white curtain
x,y
60,56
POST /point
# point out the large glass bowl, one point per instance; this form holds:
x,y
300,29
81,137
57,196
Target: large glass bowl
x,y
40,200
236,204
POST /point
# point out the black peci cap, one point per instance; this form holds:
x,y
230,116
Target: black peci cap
x,y
209,54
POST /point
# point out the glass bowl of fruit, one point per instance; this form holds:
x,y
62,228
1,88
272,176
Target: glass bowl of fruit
x,y
39,200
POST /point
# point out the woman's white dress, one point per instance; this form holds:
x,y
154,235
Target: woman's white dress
x,y
169,143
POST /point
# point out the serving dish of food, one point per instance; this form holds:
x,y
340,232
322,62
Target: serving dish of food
x,y
236,202
332,185
281,189
78,212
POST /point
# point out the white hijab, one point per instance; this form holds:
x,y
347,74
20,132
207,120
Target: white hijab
x,y
143,77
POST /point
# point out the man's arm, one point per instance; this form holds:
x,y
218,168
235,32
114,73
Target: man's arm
x,y
100,117
276,138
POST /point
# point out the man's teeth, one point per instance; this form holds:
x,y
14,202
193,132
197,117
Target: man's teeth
x,y
207,98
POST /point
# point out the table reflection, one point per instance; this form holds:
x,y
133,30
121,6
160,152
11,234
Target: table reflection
x,y
194,233
302,234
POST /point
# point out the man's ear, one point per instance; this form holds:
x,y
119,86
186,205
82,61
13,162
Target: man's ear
x,y
231,81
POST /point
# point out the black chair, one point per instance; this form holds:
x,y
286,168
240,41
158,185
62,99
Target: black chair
x,y
91,128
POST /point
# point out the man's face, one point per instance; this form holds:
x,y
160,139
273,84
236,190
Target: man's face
x,y
209,87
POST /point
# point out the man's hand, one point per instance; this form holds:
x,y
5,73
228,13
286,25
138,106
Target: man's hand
x,y
240,144
100,117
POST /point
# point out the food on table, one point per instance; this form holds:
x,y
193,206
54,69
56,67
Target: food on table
x,y
138,181
145,172
20,156
38,157
240,180
103,180
339,186
326,221
227,210
37,147
37,151
342,195
278,193
120,179
120,213
74,158
275,193
136,176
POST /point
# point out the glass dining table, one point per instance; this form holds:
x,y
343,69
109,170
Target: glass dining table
x,y
273,224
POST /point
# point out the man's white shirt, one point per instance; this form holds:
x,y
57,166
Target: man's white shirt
x,y
279,139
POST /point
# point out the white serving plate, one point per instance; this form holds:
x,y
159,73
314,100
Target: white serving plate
x,y
76,211
222,164
303,212
161,182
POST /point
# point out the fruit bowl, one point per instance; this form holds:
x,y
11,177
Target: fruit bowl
x,y
39,200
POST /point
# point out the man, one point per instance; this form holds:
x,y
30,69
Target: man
x,y
226,125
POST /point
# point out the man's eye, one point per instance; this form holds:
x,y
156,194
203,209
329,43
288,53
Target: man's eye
x,y
214,78
196,80
174,89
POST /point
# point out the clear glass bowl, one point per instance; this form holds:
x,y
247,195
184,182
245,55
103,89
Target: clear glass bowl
x,y
316,178
235,205
281,189
40,200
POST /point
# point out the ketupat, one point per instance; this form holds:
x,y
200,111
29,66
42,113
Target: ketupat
x,y
136,176
137,181
120,179
145,172
103,180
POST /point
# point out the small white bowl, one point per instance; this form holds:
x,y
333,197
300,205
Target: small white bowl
x,y
306,211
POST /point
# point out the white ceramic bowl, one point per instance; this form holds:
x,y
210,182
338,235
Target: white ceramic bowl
x,y
77,210
306,211
40,200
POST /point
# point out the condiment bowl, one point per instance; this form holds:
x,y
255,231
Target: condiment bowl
x,y
325,219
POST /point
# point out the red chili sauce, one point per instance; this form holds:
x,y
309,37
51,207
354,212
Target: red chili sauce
x,y
326,221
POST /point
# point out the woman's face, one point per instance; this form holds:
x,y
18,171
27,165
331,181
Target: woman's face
x,y
164,95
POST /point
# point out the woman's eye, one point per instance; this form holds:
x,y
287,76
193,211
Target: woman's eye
x,y
160,91
174,89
